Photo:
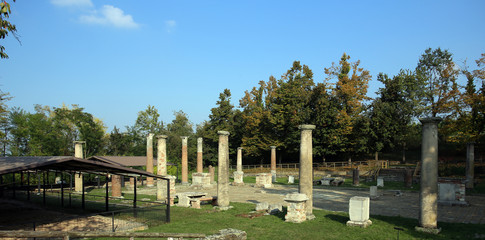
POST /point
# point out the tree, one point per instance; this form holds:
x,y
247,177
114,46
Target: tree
x,y
5,26
180,126
439,73
118,143
349,95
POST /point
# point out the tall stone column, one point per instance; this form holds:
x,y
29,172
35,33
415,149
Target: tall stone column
x,y
239,159
78,177
470,164
161,165
428,197
200,165
223,170
185,164
306,167
116,186
150,158
273,163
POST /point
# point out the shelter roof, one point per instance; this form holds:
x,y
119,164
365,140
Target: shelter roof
x,y
129,161
66,163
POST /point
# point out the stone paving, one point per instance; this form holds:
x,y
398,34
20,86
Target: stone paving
x,y
337,199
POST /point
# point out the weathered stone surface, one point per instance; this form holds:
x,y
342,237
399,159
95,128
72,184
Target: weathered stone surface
x,y
296,211
306,165
451,191
380,181
275,208
149,165
291,179
201,180
200,166
263,206
264,180
186,198
223,170
373,192
238,178
185,165
227,234
359,212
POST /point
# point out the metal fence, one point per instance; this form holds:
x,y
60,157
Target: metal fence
x,y
383,163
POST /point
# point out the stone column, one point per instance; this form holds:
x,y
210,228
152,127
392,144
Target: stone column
x,y
150,158
161,165
185,164
223,170
306,167
115,186
355,177
470,164
238,174
273,163
200,166
78,177
428,197
239,159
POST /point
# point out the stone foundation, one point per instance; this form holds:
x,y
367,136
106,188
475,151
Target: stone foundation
x,y
451,191
264,180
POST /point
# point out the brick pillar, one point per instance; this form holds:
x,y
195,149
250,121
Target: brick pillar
x,y
200,165
223,170
306,167
428,197
185,163
150,158
115,186
273,163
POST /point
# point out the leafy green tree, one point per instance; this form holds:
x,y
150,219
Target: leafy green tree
x,y
5,26
439,73
180,126
118,143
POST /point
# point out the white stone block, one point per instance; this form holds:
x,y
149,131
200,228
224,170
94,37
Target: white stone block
x,y
380,181
359,212
373,192
291,179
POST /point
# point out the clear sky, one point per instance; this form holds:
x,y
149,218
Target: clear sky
x,y
114,58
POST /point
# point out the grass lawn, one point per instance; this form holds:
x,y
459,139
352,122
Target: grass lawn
x,y
327,225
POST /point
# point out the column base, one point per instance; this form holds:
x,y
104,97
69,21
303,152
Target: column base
x,y
362,224
428,230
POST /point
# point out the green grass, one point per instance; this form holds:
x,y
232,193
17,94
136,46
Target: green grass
x,y
327,225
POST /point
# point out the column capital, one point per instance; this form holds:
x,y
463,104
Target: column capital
x,y
150,135
430,120
306,127
273,147
240,148
226,133
162,136
184,137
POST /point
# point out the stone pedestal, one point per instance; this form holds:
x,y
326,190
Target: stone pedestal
x,y
359,212
201,180
306,166
296,211
380,181
185,164
200,166
238,178
149,165
373,192
223,171
470,164
162,189
428,197
264,180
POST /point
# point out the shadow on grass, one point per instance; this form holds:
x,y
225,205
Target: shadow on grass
x,y
338,218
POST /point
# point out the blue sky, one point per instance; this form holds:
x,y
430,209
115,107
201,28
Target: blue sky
x,y
114,58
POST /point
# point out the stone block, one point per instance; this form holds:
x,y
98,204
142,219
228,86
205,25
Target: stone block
x,y
275,208
263,206
380,181
238,178
291,179
359,212
264,180
201,180
296,212
373,192
451,191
